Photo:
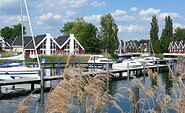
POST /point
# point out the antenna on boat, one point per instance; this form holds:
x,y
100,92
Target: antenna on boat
x,y
32,32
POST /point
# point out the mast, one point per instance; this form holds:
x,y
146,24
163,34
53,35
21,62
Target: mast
x,y
32,33
22,30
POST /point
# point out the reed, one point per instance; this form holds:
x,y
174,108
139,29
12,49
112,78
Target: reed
x,y
160,102
89,93
23,107
89,89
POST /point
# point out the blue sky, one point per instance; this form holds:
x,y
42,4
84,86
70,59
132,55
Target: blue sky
x,y
133,17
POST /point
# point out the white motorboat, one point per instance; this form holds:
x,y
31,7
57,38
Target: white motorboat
x,y
151,60
99,59
146,61
127,63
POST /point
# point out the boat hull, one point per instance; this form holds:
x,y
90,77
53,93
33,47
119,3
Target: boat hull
x,y
19,72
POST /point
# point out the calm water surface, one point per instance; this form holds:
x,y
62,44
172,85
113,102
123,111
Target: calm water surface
x,y
9,102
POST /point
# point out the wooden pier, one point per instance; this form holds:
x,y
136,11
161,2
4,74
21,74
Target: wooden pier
x,y
31,81
128,70
48,78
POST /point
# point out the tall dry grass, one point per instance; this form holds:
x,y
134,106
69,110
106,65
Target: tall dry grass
x,y
90,90
156,101
23,107
89,93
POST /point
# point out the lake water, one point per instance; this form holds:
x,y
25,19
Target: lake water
x,y
15,94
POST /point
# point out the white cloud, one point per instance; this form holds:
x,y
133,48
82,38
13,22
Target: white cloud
x,y
97,4
133,9
48,27
49,20
147,19
11,20
59,6
70,13
130,28
125,18
172,15
5,3
149,11
57,17
95,19
175,25
45,16
119,12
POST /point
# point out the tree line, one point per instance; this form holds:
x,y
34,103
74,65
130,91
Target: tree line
x,y
104,38
160,44
12,32
94,39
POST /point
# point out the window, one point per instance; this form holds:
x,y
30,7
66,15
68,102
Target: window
x,y
53,47
43,48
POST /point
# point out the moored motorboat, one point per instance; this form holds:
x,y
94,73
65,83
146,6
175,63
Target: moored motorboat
x,y
127,63
99,59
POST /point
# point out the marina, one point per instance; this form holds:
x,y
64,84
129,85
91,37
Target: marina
x,y
40,79
92,56
41,97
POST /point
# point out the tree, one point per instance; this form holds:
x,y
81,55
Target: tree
x,y
157,46
17,30
11,33
167,34
91,42
154,30
6,32
85,34
108,33
168,29
179,34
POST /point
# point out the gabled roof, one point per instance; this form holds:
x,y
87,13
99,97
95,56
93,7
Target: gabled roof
x,y
171,46
61,40
8,42
38,40
181,44
18,40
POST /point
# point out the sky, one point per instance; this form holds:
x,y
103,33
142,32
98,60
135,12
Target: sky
x,y
132,17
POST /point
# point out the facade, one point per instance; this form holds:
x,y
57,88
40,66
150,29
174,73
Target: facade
x,y
48,45
177,47
126,47
143,47
131,47
68,44
5,44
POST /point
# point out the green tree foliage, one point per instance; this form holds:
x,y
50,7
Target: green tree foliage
x,y
168,29
17,30
85,34
179,34
167,34
165,41
108,33
90,42
11,33
154,30
157,47
6,32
